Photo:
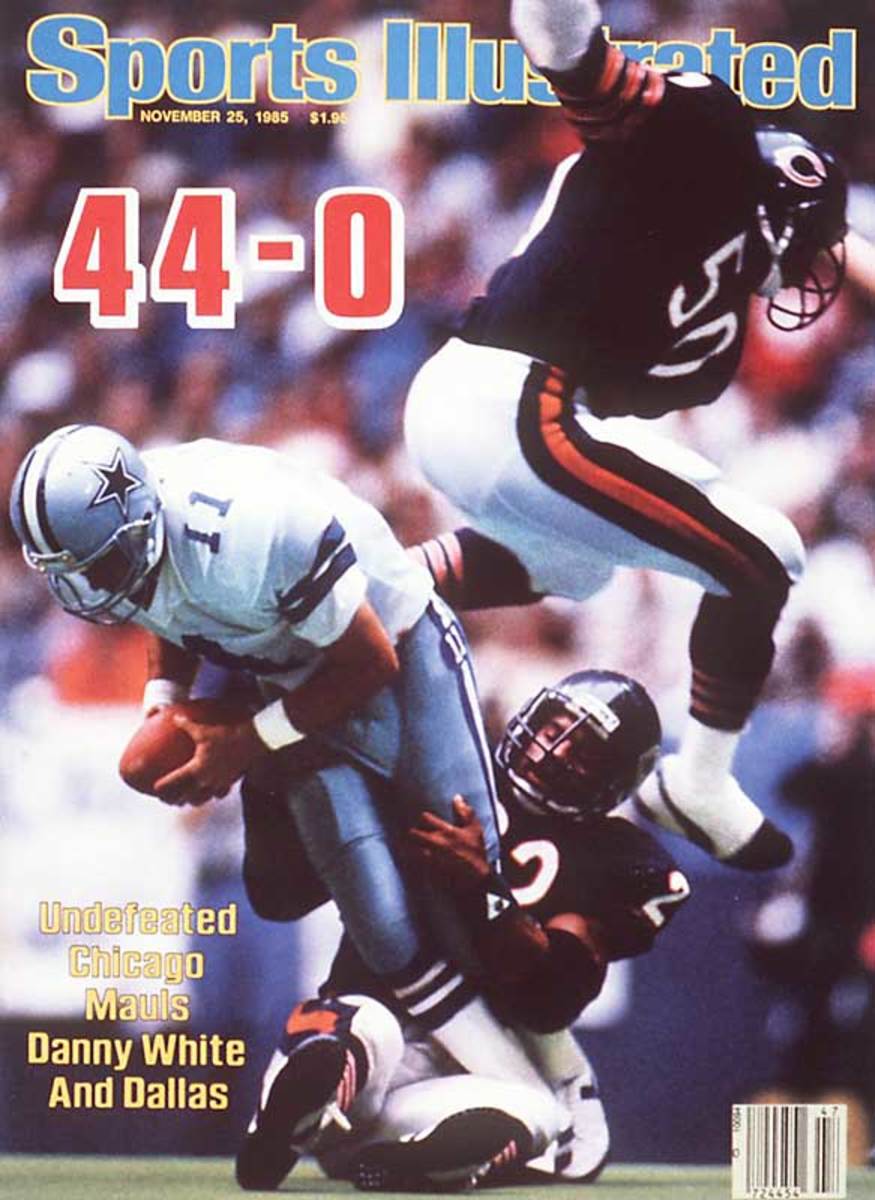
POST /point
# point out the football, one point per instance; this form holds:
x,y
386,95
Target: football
x,y
159,745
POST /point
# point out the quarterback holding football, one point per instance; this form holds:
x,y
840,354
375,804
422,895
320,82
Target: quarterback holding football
x,y
226,554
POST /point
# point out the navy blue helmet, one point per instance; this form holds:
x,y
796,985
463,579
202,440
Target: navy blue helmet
x,y
582,746
802,219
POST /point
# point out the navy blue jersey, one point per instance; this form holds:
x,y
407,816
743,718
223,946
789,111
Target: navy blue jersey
x,y
604,868
636,274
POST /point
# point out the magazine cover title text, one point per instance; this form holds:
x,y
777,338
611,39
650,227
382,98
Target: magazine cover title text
x,y
77,60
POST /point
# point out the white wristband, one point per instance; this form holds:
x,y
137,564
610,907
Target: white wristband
x,y
158,693
273,726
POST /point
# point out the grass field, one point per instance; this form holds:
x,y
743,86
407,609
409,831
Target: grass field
x,y
32,1177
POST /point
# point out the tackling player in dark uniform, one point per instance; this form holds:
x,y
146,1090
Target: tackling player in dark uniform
x,y
598,887
626,299
586,889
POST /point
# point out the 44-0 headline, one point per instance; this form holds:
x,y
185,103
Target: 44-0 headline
x,y
75,59
357,248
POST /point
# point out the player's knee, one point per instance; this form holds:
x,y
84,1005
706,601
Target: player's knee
x,y
766,585
378,1029
379,1034
795,557
540,1112
786,544
270,895
387,945
779,560
373,906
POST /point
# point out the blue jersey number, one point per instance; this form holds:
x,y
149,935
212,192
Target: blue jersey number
x,y
212,539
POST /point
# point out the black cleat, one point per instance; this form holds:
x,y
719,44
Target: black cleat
x,y
298,1095
447,1156
767,849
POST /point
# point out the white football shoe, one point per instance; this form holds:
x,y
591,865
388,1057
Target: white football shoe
x,y
725,823
581,1149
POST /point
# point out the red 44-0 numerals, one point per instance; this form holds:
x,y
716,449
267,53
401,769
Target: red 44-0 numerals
x,y
195,260
358,258
98,261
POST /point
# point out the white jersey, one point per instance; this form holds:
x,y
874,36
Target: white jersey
x,y
265,564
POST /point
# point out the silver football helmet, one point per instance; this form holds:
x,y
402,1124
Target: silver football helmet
x,y
88,515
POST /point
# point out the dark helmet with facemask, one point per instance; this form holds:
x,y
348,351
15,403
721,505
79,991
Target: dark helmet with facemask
x,y
579,748
801,215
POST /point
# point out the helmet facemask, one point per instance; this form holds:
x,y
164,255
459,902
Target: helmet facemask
x,y
801,219
103,587
557,752
796,305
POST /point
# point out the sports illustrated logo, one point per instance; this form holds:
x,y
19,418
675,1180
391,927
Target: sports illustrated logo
x,y
116,483
765,75
75,60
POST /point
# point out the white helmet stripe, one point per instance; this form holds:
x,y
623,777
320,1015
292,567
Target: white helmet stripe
x,y
32,492
29,484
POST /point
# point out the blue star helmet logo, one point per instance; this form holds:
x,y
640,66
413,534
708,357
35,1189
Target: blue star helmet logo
x,y
115,483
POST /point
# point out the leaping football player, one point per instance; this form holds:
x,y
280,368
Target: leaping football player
x,y
627,299
362,1086
226,554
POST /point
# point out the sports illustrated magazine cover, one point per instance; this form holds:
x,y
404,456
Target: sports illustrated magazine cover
x,y
437,655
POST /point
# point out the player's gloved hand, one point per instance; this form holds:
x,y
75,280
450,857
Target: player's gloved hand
x,y
457,852
222,753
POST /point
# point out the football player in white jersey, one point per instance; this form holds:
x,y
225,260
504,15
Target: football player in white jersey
x,y
226,553
625,300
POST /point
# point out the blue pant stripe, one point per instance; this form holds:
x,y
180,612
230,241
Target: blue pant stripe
x,y
471,707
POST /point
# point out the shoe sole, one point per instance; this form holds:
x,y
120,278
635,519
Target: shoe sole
x,y
459,1144
305,1085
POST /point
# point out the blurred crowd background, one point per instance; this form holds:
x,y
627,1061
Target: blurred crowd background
x,y
786,1002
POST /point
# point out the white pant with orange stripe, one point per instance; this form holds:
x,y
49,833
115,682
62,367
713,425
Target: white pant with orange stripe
x,y
574,495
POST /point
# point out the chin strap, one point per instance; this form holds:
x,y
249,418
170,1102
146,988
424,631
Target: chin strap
x,y
773,281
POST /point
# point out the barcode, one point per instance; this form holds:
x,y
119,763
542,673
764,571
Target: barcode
x,y
789,1151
